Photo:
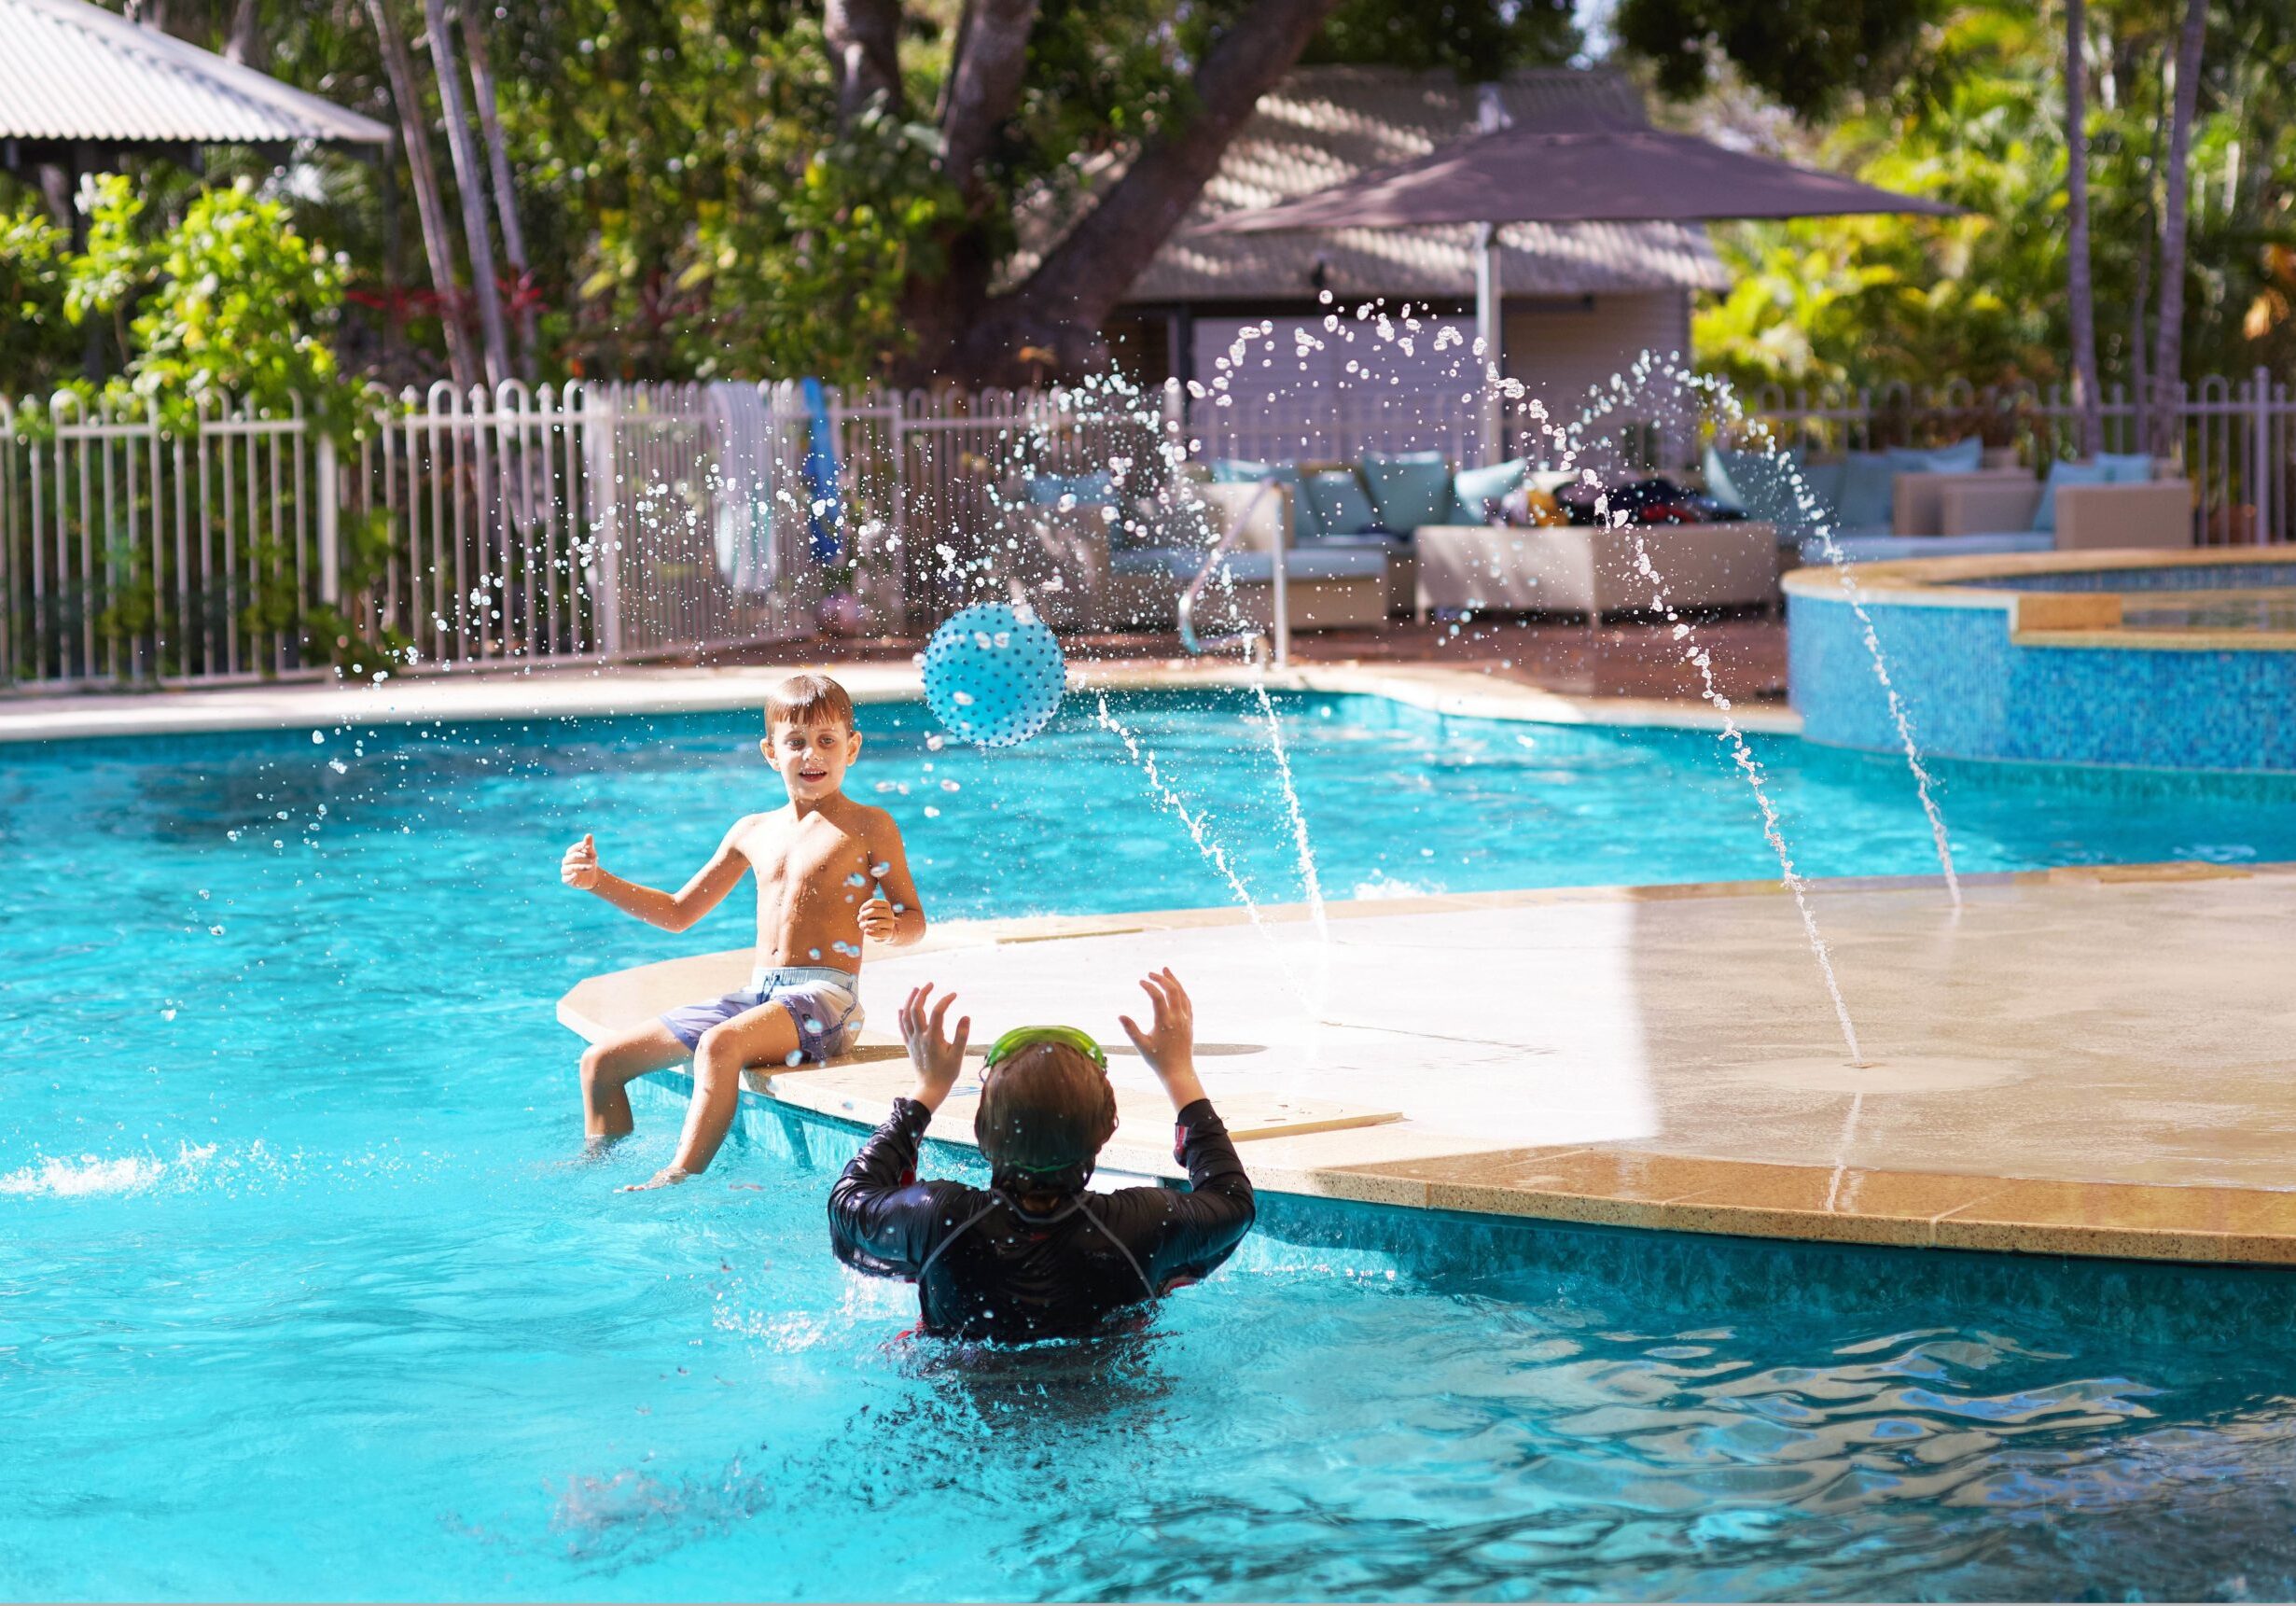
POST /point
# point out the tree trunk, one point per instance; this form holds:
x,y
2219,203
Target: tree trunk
x,y
438,243
864,41
2168,332
471,185
985,79
244,44
505,190
2080,291
1060,307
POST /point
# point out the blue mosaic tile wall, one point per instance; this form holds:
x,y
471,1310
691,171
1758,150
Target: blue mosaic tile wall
x,y
1970,695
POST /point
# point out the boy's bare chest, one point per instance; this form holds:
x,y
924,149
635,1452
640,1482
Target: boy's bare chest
x,y
808,859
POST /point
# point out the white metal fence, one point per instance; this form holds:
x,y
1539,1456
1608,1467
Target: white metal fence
x,y
222,541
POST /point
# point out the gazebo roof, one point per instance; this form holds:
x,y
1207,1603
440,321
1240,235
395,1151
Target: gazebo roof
x,y
73,73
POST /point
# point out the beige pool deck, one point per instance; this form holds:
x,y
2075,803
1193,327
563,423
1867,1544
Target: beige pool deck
x,y
2090,1062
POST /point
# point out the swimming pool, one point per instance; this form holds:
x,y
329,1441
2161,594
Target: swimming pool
x,y
304,1296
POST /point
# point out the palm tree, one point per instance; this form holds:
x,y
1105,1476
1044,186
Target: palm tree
x,y
2081,294
471,184
505,190
2168,334
430,206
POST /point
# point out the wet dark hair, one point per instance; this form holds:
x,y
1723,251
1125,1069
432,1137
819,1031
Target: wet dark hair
x,y
806,698
1044,1113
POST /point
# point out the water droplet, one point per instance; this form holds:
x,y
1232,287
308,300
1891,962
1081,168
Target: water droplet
x,y
214,930
796,1056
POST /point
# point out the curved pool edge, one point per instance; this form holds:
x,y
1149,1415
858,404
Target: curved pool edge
x,y
565,692
2117,1198
2006,672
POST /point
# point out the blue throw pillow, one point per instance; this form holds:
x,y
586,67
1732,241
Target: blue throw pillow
x,y
1096,489
1476,493
2125,467
2045,515
1761,484
1410,489
1868,481
1823,482
1336,501
1962,457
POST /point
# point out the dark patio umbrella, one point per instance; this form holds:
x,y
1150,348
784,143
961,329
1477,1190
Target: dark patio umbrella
x,y
1538,174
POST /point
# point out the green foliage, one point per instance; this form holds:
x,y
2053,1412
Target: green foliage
x,y
36,346
240,305
681,162
1478,39
1804,54
1982,297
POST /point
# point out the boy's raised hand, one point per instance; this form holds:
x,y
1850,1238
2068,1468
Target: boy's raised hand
x,y
579,868
1169,1043
938,1058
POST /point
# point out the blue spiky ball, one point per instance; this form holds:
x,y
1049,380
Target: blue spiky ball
x,y
994,672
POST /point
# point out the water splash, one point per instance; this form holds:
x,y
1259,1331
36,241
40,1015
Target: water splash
x,y
1642,383
1749,766
1214,855
1291,805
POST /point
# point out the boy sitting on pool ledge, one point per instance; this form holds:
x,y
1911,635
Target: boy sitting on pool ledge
x,y
1033,1256
816,861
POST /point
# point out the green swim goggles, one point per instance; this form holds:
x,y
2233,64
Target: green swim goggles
x,y
1019,1038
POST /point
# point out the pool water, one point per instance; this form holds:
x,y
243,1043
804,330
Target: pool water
x,y
306,1293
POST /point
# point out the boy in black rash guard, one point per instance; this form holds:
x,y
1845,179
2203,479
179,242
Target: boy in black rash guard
x,y
1033,1255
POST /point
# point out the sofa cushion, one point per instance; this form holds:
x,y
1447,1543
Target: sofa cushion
x,y
1096,489
1339,503
1965,457
1247,471
1761,484
2062,473
1476,493
1324,561
1409,489
2127,467
1868,482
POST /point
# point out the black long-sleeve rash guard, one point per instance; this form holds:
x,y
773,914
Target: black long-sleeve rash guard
x,y
987,1269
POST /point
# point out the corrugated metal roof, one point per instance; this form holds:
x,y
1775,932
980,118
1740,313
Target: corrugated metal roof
x,y
73,71
1322,125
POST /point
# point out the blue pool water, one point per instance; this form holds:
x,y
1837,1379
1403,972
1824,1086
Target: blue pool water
x,y
304,1294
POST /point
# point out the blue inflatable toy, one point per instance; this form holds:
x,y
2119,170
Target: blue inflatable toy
x,y
993,675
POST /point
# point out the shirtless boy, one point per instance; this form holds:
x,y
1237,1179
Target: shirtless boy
x,y
829,872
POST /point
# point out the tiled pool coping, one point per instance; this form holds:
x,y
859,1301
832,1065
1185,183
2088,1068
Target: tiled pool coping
x,y
2096,1143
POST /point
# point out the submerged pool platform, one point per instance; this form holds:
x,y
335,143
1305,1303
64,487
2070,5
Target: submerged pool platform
x,y
2084,1062
2175,660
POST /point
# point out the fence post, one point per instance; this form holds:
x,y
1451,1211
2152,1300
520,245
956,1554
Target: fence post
x,y
2260,451
330,511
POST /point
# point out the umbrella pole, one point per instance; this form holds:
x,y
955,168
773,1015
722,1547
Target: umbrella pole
x,y
1490,333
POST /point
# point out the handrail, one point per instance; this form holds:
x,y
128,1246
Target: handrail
x,y
1278,582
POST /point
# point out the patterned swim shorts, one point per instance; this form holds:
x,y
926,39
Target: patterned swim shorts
x,y
825,1004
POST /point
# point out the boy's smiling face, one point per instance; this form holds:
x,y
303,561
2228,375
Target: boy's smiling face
x,y
813,759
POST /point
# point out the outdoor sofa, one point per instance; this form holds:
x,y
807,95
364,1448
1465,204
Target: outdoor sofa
x,y
1952,503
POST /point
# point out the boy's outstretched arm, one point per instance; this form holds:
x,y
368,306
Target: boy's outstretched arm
x,y
893,916
670,911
